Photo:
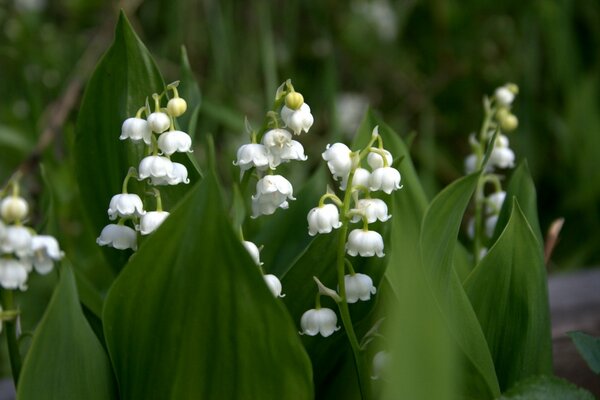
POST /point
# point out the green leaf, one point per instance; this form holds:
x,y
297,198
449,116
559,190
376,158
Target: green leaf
x,y
589,348
546,388
509,295
66,360
438,241
190,316
119,86
190,92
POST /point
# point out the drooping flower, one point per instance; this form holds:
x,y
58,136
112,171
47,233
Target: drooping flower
x,y
272,192
281,148
274,284
490,225
252,155
136,129
504,95
120,237
150,221
297,120
386,179
45,251
375,160
361,178
159,121
381,361
13,273
253,250
175,141
155,167
323,219
359,287
125,205
372,209
17,240
13,208
338,160
319,320
494,202
364,243
176,106
178,175
502,157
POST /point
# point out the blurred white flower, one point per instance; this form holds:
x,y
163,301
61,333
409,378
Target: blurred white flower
x,y
13,273
323,219
13,208
125,205
490,225
338,159
502,157
364,243
175,141
297,120
272,192
493,203
136,129
375,160
17,240
274,285
253,250
150,221
381,16
386,179
504,96
372,209
381,361
359,287
159,121
349,110
319,320
118,236
45,251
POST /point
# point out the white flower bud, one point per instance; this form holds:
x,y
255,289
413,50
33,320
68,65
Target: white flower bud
x,y
150,221
381,361
125,205
13,273
504,96
13,208
364,243
252,155
17,240
120,237
338,160
359,287
272,192
176,106
159,121
375,160
45,252
323,219
386,179
320,320
494,202
155,167
297,120
274,285
175,141
490,225
136,129
361,178
372,209
253,250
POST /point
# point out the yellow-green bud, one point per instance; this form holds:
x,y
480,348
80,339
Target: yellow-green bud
x,y
509,123
14,208
513,88
294,100
502,113
176,106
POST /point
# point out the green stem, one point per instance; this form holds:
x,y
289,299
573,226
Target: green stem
x,y
12,341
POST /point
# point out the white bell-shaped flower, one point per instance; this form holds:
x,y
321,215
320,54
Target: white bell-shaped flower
x,y
381,360
253,250
319,320
297,120
375,160
372,209
281,148
13,273
359,287
274,285
502,157
175,141
490,225
150,221
155,167
272,192
339,161
504,96
125,205
364,243
494,202
361,178
159,121
323,219
178,175
471,228
45,252
386,179
17,240
13,208
136,129
252,155
118,236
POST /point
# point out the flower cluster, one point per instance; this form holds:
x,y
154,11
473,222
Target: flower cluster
x,y
276,147
21,248
358,183
271,280
158,134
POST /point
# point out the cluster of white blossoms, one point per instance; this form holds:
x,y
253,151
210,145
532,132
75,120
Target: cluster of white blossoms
x,y
21,249
357,183
158,134
265,152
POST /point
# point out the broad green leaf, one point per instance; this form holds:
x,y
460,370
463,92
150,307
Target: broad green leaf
x,y
589,348
66,360
509,295
546,388
190,92
437,245
190,316
123,79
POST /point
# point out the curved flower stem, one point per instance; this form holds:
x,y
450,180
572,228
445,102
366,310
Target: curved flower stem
x,y
363,378
11,336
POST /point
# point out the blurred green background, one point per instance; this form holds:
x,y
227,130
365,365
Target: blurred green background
x,y
423,65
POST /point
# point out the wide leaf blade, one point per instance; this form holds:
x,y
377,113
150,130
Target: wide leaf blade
x,y
589,348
